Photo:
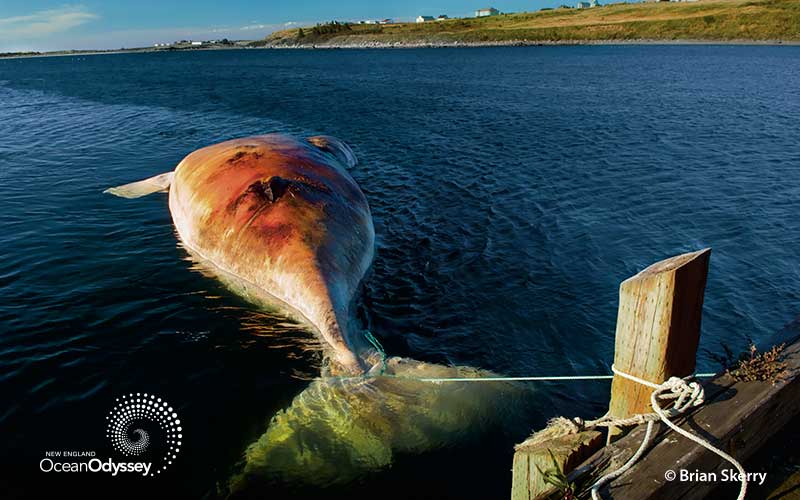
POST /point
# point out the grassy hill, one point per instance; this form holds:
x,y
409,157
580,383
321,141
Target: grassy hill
x,y
709,20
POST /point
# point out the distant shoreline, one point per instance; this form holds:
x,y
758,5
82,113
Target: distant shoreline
x,y
521,43
89,52
703,22
725,22
413,45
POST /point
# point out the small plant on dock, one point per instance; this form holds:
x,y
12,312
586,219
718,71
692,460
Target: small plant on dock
x,y
763,366
556,477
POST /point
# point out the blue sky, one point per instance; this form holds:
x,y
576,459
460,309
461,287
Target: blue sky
x,y
51,25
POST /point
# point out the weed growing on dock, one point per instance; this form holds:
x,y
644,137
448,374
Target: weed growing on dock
x,y
760,366
556,477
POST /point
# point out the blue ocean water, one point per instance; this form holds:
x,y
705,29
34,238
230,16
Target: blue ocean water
x,y
512,190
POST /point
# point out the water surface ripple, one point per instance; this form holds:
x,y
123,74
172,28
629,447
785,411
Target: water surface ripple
x,y
512,190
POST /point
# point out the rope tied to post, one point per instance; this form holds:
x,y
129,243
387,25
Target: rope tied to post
x,y
686,395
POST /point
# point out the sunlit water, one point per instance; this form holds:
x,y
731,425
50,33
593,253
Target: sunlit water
x,y
512,190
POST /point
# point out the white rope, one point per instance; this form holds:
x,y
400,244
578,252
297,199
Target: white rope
x,y
705,444
517,379
687,395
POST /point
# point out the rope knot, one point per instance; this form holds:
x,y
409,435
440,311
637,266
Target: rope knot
x,y
687,394
675,383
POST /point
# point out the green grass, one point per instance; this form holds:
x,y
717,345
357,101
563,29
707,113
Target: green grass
x,y
710,20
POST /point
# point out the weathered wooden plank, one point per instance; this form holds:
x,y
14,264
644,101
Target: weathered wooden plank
x,y
658,328
535,453
738,417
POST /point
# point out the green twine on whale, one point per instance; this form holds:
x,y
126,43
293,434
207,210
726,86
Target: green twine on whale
x,y
378,347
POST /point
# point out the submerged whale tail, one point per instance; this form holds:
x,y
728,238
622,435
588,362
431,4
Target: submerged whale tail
x,y
156,184
338,429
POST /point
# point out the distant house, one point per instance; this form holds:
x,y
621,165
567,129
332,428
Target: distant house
x,y
490,11
385,21
424,19
582,5
197,43
442,18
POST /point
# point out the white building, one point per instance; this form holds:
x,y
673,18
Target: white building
x,y
489,11
442,18
424,19
197,43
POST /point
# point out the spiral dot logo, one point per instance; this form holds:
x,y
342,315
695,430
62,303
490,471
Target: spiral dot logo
x,y
129,421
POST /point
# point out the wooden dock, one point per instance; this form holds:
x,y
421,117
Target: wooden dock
x,y
658,330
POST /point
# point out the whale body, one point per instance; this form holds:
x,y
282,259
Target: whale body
x,y
280,221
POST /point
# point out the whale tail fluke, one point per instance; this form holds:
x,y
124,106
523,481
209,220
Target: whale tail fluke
x,y
340,428
158,184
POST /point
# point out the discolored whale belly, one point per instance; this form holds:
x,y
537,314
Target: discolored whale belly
x,y
283,220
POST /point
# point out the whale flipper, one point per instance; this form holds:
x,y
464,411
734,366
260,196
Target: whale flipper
x,y
337,148
158,184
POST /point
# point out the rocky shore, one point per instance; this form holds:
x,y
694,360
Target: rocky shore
x,y
514,43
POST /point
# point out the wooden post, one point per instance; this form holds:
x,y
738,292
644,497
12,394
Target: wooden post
x,y
658,328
